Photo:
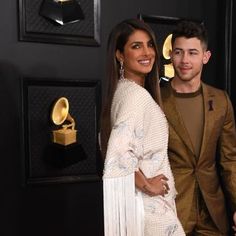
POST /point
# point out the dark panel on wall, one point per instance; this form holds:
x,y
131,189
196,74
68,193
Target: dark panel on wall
x,y
45,161
33,26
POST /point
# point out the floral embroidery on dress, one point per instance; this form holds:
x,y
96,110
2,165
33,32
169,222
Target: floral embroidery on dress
x,y
123,163
170,230
121,126
156,207
138,133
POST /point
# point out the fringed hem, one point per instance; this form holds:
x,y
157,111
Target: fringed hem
x,y
119,206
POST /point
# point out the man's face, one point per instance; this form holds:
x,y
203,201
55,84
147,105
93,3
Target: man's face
x,y
188,57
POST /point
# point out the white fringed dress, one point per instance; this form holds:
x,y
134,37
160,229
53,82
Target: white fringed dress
x,y
138,140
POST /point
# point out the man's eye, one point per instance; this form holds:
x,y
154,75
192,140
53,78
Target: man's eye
x,y
176,52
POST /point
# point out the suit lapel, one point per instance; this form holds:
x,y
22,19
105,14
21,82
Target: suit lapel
x,y
209,110
174,117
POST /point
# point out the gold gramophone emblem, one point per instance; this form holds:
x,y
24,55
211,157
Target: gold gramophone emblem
x,y
166,50
60,116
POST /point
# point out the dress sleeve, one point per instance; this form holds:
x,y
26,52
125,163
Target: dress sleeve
x,y
125,141
123,152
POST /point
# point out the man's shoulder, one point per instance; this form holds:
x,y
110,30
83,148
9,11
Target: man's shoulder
x,y
213,90
211,87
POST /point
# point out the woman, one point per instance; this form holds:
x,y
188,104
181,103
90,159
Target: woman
x,y
138,184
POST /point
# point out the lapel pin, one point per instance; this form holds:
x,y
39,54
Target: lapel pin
x,y
210,103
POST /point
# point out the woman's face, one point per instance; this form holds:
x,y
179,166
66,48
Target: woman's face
x,y
138,55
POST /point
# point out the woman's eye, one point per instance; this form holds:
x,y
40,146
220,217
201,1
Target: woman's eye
x,y
136,46
151,45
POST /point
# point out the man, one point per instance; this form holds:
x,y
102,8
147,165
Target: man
x,y
201,122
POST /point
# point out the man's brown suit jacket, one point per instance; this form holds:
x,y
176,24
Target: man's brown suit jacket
x,y
216,177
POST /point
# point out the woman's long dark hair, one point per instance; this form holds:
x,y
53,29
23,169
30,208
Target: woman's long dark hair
x,y
116,41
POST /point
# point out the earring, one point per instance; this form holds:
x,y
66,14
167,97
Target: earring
x,y
122,71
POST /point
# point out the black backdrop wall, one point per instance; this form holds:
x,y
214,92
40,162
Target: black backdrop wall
x,y
68,209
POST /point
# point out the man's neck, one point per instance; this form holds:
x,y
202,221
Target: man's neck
x,y
185,86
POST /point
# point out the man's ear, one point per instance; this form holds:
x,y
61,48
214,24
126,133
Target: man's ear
x,y
206,56
119,55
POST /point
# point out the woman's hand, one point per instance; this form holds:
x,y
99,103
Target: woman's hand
x,y
158,185
151,186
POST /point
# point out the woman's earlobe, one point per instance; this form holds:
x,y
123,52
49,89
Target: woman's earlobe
x,y
119,55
